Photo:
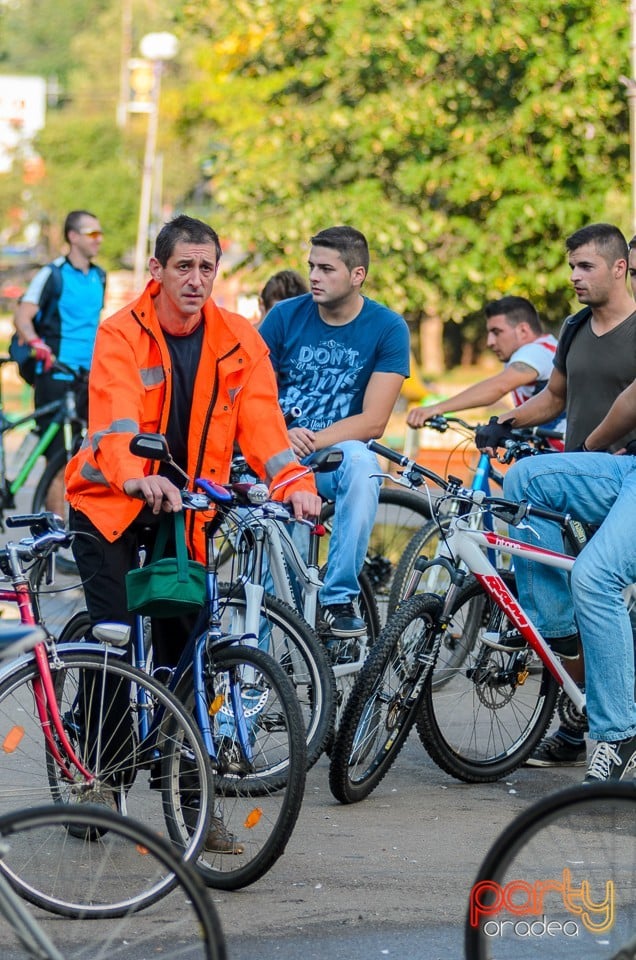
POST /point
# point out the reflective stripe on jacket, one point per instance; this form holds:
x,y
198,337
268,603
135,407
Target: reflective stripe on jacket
x,y
235,398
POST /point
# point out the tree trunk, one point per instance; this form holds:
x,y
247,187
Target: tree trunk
x,y
431,346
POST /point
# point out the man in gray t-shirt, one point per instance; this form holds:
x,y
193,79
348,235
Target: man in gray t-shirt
x,y
598,366
600,363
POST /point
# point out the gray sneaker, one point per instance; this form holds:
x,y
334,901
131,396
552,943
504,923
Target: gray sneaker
x,y
612,761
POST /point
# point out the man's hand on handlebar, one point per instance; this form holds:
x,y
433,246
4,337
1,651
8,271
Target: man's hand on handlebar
x,y
42,353
418,416
158,492
493,434
307,506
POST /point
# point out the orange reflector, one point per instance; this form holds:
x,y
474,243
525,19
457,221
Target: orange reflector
x,y
13,739
253,818
216,705
142,850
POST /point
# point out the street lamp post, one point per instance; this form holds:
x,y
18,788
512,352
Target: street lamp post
x,y
157,48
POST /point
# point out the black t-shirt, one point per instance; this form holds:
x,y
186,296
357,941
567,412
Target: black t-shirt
x,y
185,353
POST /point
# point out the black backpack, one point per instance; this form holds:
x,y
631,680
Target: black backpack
x,y
571,327
21,352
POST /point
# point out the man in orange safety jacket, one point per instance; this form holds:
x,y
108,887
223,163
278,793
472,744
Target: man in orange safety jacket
x,y
175,363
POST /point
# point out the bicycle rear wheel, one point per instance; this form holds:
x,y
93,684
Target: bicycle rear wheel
x,y
82,878
400,514
258,799
483,710
162,778
560,881
294,645
383,703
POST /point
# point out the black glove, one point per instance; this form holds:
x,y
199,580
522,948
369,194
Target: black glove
x,y
630,448
493,434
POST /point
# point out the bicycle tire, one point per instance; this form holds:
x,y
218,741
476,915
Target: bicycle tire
x,y
480,720
55,468
588,830
383,704
75,629
351,654
127,853
401,513
294,645
260,805
100,700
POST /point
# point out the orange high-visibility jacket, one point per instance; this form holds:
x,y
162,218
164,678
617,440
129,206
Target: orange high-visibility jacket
x,y
130,386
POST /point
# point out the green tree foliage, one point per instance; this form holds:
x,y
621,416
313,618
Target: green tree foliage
x,y
89,161
465,138
36,36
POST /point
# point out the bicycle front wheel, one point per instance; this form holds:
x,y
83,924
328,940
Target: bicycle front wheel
x,y
383,703
425,543
484,710
559,882
48,851
258,786
144,754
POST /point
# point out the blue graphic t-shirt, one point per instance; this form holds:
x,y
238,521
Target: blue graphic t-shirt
x,y
325,369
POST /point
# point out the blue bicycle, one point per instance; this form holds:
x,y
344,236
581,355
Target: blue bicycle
x,y
427,541
245,708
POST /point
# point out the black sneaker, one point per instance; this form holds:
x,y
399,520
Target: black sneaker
x,y
341,621
554,751
612,761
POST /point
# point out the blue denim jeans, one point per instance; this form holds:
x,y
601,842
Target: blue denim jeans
x,y
595,488
355,494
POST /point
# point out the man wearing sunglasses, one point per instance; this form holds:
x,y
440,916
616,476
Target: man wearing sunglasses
x,y
58,316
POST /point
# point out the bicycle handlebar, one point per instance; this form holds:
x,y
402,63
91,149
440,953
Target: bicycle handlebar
x,y
415,472
510,511
48,535
78,376
441,423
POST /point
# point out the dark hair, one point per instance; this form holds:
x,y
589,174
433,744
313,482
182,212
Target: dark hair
x,y
74,219
610,243
350,244
632,243
188,230
516,310
282,286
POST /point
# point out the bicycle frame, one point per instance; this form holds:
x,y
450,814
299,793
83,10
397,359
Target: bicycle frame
x,y
467,545
202,640
43,687
270,536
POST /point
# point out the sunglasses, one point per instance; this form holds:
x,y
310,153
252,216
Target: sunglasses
x,y
93,234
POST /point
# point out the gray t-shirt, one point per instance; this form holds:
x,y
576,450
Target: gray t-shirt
x,y
597,370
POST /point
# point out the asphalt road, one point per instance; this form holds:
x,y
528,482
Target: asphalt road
x,y
389,877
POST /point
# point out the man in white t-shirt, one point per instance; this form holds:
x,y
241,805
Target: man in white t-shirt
x,y
516,336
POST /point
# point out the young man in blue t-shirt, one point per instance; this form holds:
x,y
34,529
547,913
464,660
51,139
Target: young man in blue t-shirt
x,y
342,359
